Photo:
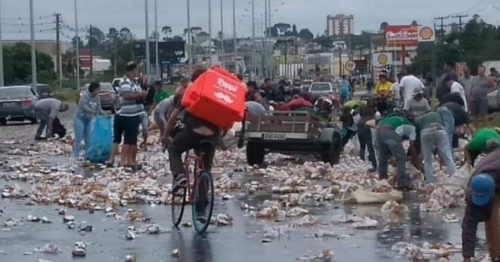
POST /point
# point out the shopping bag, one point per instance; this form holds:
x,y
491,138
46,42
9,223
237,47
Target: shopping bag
x,y
230,141
101,140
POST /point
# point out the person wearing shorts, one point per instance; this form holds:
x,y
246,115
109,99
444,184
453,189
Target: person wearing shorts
x,y
127,120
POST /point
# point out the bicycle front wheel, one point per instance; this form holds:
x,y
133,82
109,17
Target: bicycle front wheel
x,y
178,205
203,202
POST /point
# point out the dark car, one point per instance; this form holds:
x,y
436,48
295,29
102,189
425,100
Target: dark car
x,y
17,104
44,91
108,96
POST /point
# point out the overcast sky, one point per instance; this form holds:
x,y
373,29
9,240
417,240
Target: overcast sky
x,y
304,13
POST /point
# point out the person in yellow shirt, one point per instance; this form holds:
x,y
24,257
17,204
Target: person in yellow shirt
x,y
383,93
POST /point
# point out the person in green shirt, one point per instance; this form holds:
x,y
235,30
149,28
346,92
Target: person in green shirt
x,y
433,136
390,133
355,104
160,95
483,141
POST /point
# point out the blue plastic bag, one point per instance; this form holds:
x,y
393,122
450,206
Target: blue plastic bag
x,y
101,140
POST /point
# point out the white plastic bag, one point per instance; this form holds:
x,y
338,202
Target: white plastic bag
x,y
367,197
460,179
230,141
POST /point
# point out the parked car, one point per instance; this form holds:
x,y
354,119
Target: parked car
x,y
44,91
318,89
116,82
17,104
110,100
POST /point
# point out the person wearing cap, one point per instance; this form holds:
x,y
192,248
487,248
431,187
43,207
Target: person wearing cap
x,y
483,205
483,141
389,133
417,105
47,110
161,94
433,136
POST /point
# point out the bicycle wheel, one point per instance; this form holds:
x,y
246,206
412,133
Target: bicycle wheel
x,y
178,204
203,202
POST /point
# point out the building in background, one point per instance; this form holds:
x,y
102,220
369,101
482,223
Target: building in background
x,y
340,25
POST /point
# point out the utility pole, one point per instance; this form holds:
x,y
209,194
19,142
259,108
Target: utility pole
x,y
58,48
77,46
460,21
441,31
190,55
91,47
222,33
157,35
210,33
253,42
2,83
33,50
234,38
148,52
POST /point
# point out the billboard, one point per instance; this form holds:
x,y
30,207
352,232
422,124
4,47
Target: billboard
x,y
167,51
398,35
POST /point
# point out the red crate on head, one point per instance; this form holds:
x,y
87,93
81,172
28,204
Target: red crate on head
x,y
216,97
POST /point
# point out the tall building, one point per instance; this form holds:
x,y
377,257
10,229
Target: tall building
x,y
340,25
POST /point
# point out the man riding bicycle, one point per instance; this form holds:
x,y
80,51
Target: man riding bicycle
x,y
195,130
383,94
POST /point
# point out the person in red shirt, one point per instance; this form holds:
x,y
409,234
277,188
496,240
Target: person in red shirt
x,y
302,101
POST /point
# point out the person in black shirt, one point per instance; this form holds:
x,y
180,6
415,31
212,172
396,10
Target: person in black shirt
x,y
195,131
267,91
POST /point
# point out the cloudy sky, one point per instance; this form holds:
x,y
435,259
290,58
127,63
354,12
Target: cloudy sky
x,y
304,13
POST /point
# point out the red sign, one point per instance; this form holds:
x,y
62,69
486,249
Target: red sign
x,y
398,35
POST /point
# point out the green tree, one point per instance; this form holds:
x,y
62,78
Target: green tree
x,y
478,42
17,65
306,35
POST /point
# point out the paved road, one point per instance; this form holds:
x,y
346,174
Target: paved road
x,y
240,242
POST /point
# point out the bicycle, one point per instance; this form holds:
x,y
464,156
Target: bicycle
x,y
202,185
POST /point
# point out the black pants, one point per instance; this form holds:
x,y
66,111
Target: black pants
x,y
184,141
128,126
347,136
365,141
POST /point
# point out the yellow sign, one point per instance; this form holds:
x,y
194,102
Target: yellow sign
x,y
382,59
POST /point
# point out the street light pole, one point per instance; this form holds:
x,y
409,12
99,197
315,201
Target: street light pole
x,y
222,33
234,36
77,46
148,59
253,41
2,83
266,35
157,35
210,33
189,34
33,51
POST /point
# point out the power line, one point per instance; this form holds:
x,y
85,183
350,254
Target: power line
x,y
27,24
441,24
460,21
27,18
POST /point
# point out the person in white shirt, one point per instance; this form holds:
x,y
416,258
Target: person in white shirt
x,y
396,92
408,84
456,87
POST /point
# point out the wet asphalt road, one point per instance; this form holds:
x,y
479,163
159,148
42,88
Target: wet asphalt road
x,y
240,242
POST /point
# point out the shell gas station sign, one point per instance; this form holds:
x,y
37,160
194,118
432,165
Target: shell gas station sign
x,y
408,35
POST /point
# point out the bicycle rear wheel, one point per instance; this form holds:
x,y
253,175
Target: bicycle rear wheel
x,y
203,202
178,205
